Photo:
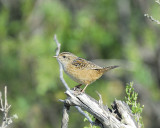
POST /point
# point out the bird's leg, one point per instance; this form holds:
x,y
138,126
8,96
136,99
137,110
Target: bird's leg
x,y
84,88
78,86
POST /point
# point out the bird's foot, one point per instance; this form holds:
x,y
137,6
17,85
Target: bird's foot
x,y
77,88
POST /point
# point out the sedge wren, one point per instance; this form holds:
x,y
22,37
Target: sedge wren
x,y
80,70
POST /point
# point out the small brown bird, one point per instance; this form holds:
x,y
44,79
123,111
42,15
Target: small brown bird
x,y
81,70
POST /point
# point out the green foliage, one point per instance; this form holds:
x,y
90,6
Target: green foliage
x,y
85,119
131,100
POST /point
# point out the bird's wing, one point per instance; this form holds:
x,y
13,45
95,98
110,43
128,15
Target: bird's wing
x,y
82,63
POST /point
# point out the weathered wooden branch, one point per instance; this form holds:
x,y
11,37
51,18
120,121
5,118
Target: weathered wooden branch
x,y
119,116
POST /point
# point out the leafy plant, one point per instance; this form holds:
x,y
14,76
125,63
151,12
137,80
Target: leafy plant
x,y
131,100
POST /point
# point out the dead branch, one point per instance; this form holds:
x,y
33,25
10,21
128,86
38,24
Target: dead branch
x,y
119,116
5,109
158,2
65,118
60,66
151,17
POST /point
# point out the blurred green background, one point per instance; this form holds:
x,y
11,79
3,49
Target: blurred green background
x,y
114,31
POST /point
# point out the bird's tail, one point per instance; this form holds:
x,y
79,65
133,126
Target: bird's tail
x,y
109,68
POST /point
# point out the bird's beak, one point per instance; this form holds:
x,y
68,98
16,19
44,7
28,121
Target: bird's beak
x,y
55,56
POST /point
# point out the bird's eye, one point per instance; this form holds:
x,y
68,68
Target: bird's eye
x,y
64,56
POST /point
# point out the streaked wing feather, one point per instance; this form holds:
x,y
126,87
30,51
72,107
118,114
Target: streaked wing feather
x,y
82,63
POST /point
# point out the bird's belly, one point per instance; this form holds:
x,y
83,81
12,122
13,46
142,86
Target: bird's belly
x,y
83,76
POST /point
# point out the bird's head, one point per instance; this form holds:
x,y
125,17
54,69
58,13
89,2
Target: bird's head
x,y
66,58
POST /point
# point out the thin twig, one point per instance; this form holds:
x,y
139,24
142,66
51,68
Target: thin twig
x,y
2,109
5,95
100,99
157,1
60,65
58,45
5,102
151,18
